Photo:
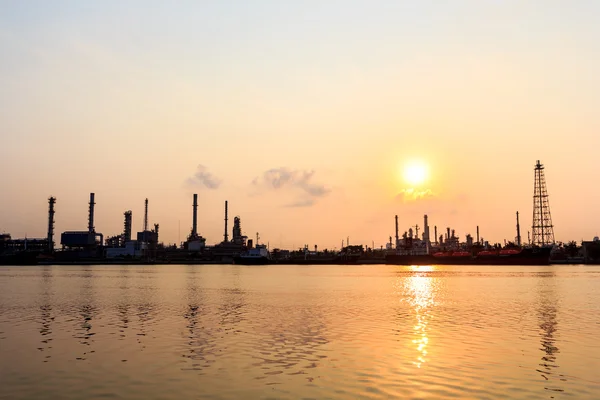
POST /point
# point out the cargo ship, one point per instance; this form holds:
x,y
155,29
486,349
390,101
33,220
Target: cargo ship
x,y
347,256
258,255
507,256
20,258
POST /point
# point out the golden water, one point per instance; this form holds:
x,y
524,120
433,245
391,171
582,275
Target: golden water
x,y
299,332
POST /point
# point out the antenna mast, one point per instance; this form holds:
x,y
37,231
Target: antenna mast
x,y
542,230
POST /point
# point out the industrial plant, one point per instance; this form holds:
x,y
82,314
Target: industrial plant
x,y
415,246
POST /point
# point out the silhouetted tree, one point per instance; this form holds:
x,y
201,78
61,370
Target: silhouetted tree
x,y
572,249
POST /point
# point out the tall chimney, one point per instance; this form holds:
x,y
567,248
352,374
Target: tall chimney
x,y
51,202
435,234
448,233
518,231
127,227
426,232
91,214
478,234
145,215
397,237
195,217
225,235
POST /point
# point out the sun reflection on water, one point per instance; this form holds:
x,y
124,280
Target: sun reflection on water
x,y
419,291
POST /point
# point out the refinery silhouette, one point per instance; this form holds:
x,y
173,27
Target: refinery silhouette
x,y
410,248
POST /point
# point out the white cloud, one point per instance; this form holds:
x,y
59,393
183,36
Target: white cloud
x,y
203,178
299,180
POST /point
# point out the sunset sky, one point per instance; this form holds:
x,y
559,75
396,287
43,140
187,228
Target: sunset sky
x,y
301,113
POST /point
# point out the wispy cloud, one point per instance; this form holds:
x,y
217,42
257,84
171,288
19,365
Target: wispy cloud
x,y
203,178
411,194
302,203
299,180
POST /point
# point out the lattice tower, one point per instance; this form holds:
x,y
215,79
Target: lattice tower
x,y
542,230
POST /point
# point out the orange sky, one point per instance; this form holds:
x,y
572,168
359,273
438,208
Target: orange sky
x,y
301,116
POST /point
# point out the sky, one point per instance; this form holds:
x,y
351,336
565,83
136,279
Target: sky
x,y
301,114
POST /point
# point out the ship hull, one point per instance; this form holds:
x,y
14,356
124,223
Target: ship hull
x,y
525,257
320,261
251,260
22,258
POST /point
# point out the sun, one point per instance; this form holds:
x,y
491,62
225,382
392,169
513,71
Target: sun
x,y
415,173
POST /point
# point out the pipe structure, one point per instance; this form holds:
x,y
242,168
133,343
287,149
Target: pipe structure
x,y
397,237
145,216
127,227
91,214
51,202
426,232
518,231
225,235
195,216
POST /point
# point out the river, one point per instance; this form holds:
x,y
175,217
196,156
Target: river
x,y
299,332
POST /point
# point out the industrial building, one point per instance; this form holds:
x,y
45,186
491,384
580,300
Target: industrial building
x,y
591,251
145,245
227,249
8,245
27,250
83,240
195,242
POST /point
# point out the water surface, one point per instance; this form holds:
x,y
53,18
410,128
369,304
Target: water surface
x,y
299,332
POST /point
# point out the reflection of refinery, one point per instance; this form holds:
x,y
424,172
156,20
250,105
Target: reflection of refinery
x,y
417,245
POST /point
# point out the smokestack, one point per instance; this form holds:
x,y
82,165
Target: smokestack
x,y
225,235
477,233
127,227
435,233
156,231
51,202
195,217
91,214
146,215
448,233
426,232
397,237
518,231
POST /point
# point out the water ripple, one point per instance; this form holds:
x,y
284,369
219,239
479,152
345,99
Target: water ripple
x,y
289,332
